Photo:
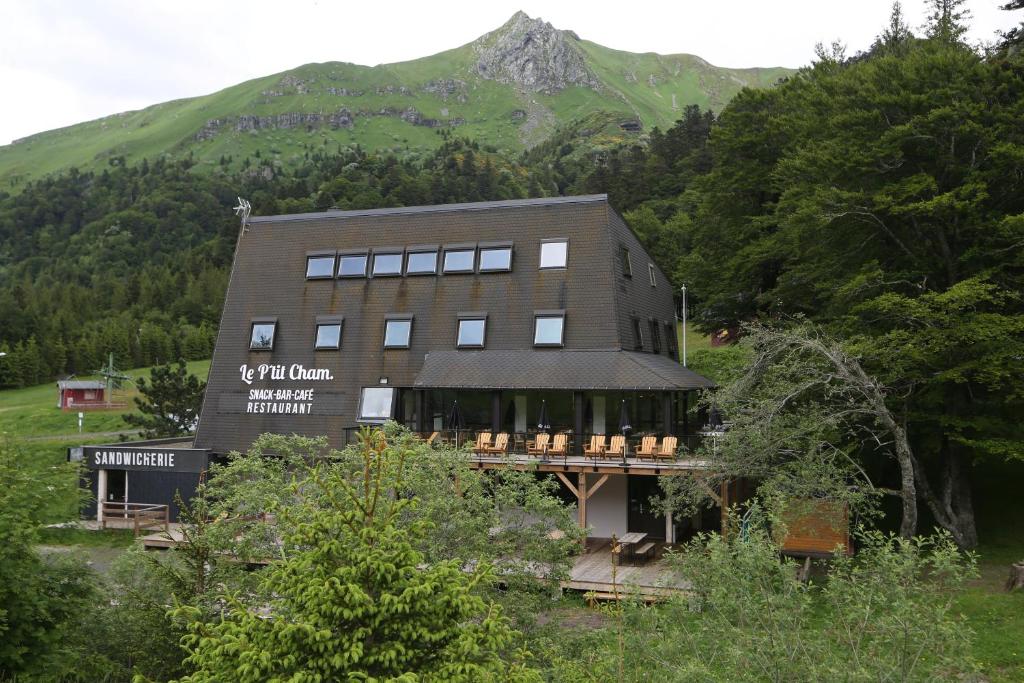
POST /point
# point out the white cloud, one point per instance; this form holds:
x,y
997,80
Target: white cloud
x,y
61,63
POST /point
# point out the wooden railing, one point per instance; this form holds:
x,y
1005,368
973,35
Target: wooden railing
x,y
141,515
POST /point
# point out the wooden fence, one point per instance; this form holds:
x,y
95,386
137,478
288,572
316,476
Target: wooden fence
x,y
141,515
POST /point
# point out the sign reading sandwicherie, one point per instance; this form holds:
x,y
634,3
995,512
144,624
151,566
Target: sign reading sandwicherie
x,y
139,458
282,401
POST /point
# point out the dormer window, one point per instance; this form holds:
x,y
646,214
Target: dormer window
x,y
421,262
387,263
328,333
459,258
320,266
627,265
471,331
397,332
655,336
549,328
650,273
261,337
495,258
638,335
352,265
554,253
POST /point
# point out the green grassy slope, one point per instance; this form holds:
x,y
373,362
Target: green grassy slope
x,y
638,86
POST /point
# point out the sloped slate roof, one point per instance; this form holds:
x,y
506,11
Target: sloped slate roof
x,y
608,369
81,384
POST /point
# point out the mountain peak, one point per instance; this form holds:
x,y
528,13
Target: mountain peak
x,y
533,55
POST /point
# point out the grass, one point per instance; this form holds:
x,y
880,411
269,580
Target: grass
x,y
651,87
32,412
86,538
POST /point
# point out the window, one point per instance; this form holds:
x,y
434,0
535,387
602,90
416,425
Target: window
x,y
459,260
549,329
262,338
670,337
376,404
554,254
638,335
397,332
319,266
471,333
421,263
655,336
650,272
495,259
627,266
328,335
352,265
387,264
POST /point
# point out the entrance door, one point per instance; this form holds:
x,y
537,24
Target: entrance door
x,y
117,486
642,517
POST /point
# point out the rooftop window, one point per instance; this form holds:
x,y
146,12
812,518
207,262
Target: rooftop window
x,y
495,259
352,265
328,335
549,329
387,264
376,404
262,336
321,266
471,332
397,332
650,272
670,337
554,253
421,263
459,260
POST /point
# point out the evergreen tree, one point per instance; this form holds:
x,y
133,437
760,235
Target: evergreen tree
x,y
170,402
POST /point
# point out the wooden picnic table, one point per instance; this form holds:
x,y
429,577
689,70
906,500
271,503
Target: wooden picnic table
x,y
631,540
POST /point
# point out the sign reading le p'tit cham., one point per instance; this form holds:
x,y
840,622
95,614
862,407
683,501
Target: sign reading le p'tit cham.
x,y
282,401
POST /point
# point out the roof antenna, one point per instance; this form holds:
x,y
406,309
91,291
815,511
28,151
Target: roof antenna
x,y
243,210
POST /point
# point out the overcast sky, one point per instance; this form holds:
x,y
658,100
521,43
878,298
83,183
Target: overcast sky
x,y
62,62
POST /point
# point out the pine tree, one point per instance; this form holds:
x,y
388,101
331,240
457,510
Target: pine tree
x,y
170,402
947,21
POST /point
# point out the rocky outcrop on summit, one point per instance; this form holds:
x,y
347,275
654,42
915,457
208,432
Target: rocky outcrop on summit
x,y
533,55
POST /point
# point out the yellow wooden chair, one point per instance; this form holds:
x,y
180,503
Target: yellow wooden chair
x,y
667,450
596,447
539,445
483,442
500,446
647,446
559,445
617,446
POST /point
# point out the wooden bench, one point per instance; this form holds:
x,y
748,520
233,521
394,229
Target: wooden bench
x,y
645,551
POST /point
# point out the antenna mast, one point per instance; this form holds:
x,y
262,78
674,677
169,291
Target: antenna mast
x,y
243,210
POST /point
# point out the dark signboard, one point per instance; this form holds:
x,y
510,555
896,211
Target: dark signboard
x,y
145,459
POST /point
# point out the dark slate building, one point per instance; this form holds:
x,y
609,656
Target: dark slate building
x,y
510,309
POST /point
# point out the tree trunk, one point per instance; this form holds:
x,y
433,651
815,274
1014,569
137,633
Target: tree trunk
x,y
1016,580
954,509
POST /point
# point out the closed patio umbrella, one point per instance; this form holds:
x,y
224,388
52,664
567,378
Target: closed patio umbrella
x,y
543,421
715,418
455,422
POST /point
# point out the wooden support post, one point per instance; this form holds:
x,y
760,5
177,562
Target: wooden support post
x,y
568,484
577,442
582,500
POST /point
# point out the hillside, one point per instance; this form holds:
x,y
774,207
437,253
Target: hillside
x,y
509,89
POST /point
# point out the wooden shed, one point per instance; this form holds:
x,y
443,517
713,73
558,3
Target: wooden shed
x,y
73,394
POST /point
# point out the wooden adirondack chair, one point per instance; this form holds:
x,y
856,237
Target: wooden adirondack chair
x,y
500,446
559,445
596,447
617,447
647,445
667,450
483,442
539,445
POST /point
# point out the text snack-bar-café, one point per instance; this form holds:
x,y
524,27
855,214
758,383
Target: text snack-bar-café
x,y
540,321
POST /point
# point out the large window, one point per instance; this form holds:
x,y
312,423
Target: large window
x,y
459,260
352,265
262,336
549,329
397,332
495,259
320,266
471,332
387,264
328,335
554,254
421,263
376,404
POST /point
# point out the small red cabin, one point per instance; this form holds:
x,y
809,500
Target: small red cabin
x,y
77,393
